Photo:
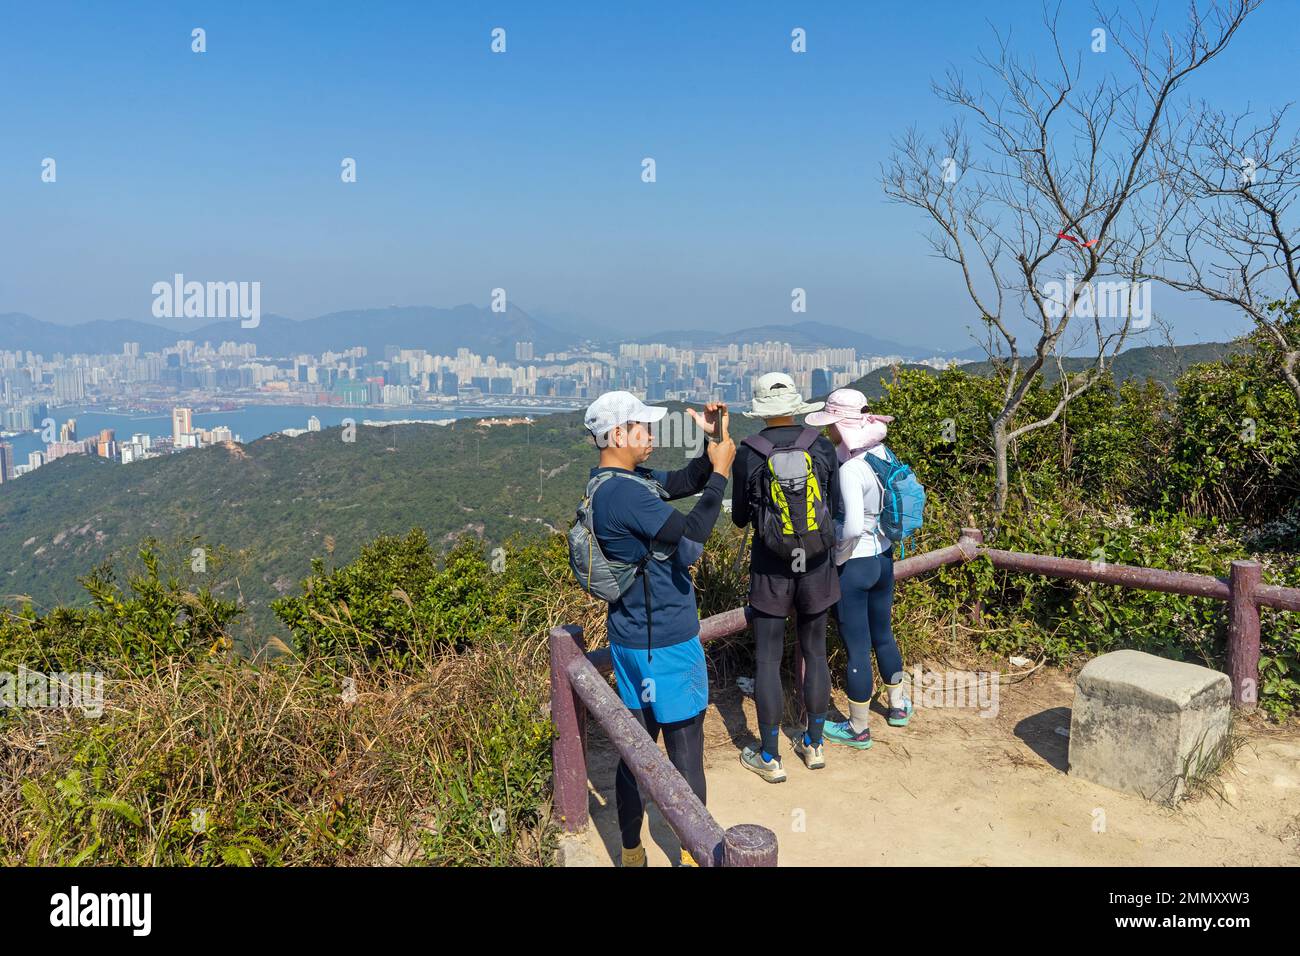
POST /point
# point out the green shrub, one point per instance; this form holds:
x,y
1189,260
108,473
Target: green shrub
x,y
1236,447
400,601
156,618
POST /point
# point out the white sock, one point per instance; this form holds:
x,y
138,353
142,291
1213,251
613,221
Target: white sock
x,y
896,694
858,714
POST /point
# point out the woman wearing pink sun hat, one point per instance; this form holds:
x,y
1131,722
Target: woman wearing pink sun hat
x,y
853,429
865,559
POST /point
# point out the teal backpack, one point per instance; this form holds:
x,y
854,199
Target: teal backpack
x,y
903,499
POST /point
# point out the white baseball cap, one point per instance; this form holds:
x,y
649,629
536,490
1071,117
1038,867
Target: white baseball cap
x,y
619,408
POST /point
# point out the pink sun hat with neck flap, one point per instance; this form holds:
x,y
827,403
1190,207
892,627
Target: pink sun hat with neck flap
x,y
846,409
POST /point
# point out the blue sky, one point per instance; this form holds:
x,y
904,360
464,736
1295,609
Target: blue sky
x,y
519,170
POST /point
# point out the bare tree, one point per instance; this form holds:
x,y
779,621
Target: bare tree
x,y
1236,239
1037,214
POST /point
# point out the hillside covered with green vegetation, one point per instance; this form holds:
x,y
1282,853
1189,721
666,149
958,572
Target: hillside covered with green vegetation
x,y
262,511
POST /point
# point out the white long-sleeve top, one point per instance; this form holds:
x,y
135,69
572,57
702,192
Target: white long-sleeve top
x,y
859,534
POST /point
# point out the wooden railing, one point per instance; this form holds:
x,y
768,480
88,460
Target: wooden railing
x,y
579,689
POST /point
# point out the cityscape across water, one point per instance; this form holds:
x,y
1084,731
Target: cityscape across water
x,y
136,403
246,424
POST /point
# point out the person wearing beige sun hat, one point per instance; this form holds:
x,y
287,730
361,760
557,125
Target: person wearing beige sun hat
x,y
776,396
785,487
865,560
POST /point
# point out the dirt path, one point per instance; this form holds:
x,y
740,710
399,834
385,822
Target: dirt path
x,y
956,788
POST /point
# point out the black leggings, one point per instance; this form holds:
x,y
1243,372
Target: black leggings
x,y
769,642
685,742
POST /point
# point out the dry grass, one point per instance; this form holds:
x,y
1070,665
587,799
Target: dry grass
x,y
291,765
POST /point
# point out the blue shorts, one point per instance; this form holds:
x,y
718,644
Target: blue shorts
x,y
673,686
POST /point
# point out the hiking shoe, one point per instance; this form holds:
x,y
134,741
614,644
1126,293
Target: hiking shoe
x,y
769,770
634,857
842,732
814,757
899,716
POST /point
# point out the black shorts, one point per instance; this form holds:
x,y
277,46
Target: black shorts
x,y
807,594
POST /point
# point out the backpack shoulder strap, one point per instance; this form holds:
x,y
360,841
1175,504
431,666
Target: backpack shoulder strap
x,y
646,478
596,481
806,438
760,444
642,477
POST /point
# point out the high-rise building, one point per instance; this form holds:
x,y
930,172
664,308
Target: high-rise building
x,y
6,462
821,383
182,422
69,386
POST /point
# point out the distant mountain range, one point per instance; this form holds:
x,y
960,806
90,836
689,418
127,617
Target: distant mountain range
x,y
440,331
443,331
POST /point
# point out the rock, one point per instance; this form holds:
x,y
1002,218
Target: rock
x,y
1143,724
572,851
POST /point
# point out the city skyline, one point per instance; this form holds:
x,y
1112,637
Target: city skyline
x,y
34,386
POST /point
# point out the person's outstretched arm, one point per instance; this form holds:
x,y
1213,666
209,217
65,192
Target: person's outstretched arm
x,y
740,488
692,479
689,532
686,481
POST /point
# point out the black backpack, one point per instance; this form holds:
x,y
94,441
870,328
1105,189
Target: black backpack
x,y
792,512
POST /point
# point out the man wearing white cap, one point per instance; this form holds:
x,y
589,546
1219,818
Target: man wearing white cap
x,y
654,627
787,487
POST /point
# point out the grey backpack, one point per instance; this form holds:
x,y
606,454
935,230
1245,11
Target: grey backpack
x,y
792,514
597,574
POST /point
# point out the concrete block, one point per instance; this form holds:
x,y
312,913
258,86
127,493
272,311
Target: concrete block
x,y
1141,723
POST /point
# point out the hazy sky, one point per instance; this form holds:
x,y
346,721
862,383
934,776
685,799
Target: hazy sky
x,y
520,170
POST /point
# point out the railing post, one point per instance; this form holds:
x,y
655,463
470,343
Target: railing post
x,y
748,844
569,749
976,537
1243,633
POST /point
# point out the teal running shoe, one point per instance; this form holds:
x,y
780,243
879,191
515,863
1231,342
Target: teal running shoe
x,y
899,716
842,732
